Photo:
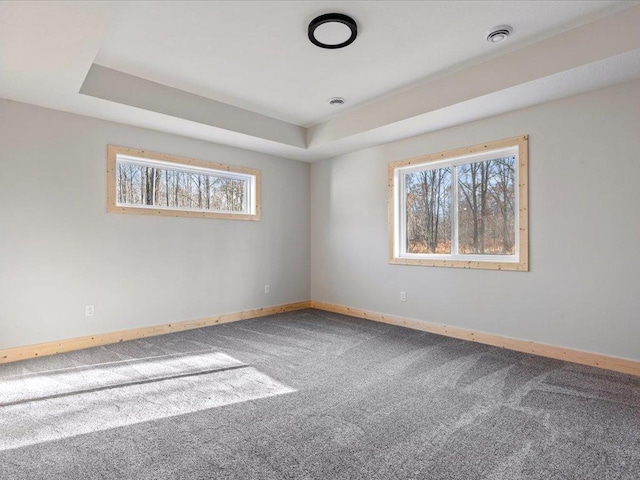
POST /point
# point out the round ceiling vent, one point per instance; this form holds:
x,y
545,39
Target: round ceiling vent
x,y
333,30
499,34
336,101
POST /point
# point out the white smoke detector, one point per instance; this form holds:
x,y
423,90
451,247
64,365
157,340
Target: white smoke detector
x,y
499,34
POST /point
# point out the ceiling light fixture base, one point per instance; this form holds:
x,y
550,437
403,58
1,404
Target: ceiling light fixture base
x,y
333,30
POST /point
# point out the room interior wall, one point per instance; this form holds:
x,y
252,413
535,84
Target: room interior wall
x,y
582,288
60,250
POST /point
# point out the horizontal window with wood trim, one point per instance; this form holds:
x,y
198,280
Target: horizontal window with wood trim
x,y
147,183
465,208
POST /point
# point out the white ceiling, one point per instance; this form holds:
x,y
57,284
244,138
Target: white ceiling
x,y
244,73
256,55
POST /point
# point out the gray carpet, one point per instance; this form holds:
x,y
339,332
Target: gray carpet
x,y
314,395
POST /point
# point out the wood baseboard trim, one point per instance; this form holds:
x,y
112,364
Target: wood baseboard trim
x,y
622,365
50,348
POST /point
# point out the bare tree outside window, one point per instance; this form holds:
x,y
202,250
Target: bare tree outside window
x,y
428,203
139,185
486,207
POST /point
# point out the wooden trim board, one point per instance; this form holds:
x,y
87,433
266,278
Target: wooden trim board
x,y
51,348
622,365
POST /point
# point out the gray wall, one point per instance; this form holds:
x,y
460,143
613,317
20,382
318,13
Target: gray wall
x,y
60,250
583,290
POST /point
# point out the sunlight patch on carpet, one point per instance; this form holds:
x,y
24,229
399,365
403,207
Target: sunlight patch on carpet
x,y
43,407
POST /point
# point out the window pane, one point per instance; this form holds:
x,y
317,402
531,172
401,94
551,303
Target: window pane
x,y
428,202
129,179
486,207
138,185
228,193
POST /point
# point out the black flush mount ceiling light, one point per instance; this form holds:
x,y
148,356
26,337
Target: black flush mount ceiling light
x,y
333,30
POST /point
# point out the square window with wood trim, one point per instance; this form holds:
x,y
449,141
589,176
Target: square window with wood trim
x,y
464,208
148,183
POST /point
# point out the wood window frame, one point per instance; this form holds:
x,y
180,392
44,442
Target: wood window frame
x,y
113,207
393,192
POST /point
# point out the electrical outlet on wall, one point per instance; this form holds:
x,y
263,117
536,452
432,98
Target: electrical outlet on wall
x,y
403,296
267,289
89,311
